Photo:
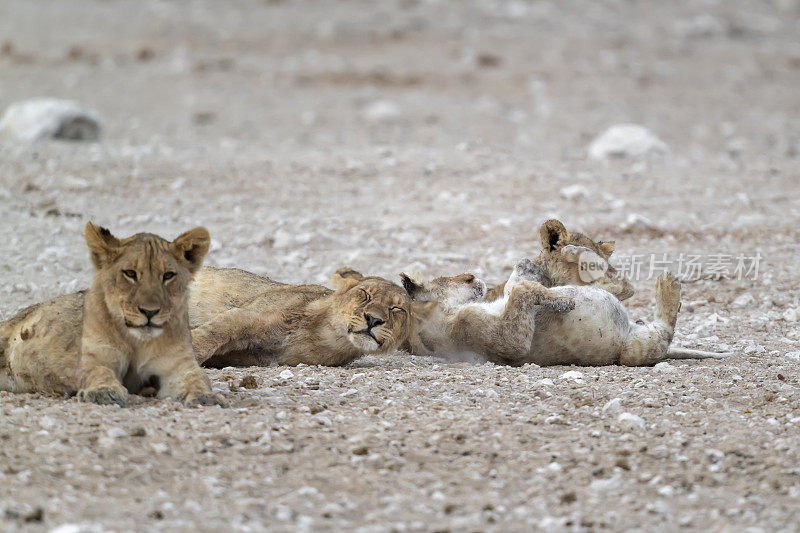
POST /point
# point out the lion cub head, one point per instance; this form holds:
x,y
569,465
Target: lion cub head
x,y
377,315
450,291
144,278
571,258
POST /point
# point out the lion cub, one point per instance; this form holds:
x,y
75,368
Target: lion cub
x,y
563,254
580,325
130,330
242,319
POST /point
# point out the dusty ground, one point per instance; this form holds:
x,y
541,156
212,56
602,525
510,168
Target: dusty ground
x,y
257,119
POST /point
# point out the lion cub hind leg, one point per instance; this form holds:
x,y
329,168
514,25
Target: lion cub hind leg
x,y
648,344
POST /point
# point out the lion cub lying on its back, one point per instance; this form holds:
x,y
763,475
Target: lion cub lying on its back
x,y
242,319
580,325
130,330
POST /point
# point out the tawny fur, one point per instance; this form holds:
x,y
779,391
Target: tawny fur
x,y
129,331
241,319
578,325
559,260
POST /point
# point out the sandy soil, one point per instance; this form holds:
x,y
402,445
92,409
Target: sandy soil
x,y
431,136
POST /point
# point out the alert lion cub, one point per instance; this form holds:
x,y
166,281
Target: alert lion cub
x,y
130,330
564,254
580,325
242,319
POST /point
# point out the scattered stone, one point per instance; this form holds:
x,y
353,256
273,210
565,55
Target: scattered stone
x,y
286,374
755,349
116,433
139,432
249,382
573,375
639,223
744,300
793,355
573,192
664,367
50,118
612,406
382,112
630,422
47,422
626,141
791,315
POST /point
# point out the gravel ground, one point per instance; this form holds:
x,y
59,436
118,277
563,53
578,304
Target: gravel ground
x,y
436,137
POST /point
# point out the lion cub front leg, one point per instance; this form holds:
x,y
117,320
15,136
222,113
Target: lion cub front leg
x,y
99,375
506,337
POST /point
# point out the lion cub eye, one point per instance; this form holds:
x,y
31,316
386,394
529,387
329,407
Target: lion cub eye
x,y
398,309
168,275
367,297
130,274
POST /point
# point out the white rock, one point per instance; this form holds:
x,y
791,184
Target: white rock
x,y
574,375
791,315
544,382
286,374
116,433
613,406
47,422
637,222
50,118
756,349
382,112
666,490
626,140
630,422
665,367
744,300
571,192
793,355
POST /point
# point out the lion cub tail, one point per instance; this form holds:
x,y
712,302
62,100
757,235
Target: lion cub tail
x,y
686,353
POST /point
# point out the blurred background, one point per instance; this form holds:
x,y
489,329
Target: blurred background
x,y
427,135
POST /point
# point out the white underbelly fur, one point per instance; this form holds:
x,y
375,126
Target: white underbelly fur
x,y
591,334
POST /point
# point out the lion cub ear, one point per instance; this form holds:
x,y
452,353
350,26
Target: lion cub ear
x,y
606,248
344,278
554,235
412,286
103,246
192,247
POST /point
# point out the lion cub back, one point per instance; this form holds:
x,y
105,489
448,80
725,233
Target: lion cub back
x,y
216,290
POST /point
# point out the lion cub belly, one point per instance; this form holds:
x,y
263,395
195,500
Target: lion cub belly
x,y
591,334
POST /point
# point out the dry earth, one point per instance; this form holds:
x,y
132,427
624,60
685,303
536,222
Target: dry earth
x,y
434,136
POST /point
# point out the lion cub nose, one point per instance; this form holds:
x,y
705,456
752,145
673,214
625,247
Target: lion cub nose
x,y
149,313
373,321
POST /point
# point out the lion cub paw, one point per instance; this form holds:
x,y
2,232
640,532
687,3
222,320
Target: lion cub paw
x,y
560,304
204,398
525,269
668,297
104,396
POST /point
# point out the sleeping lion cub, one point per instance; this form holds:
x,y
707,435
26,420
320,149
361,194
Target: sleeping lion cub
x,y
242,319
561,257
130,330
567,325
